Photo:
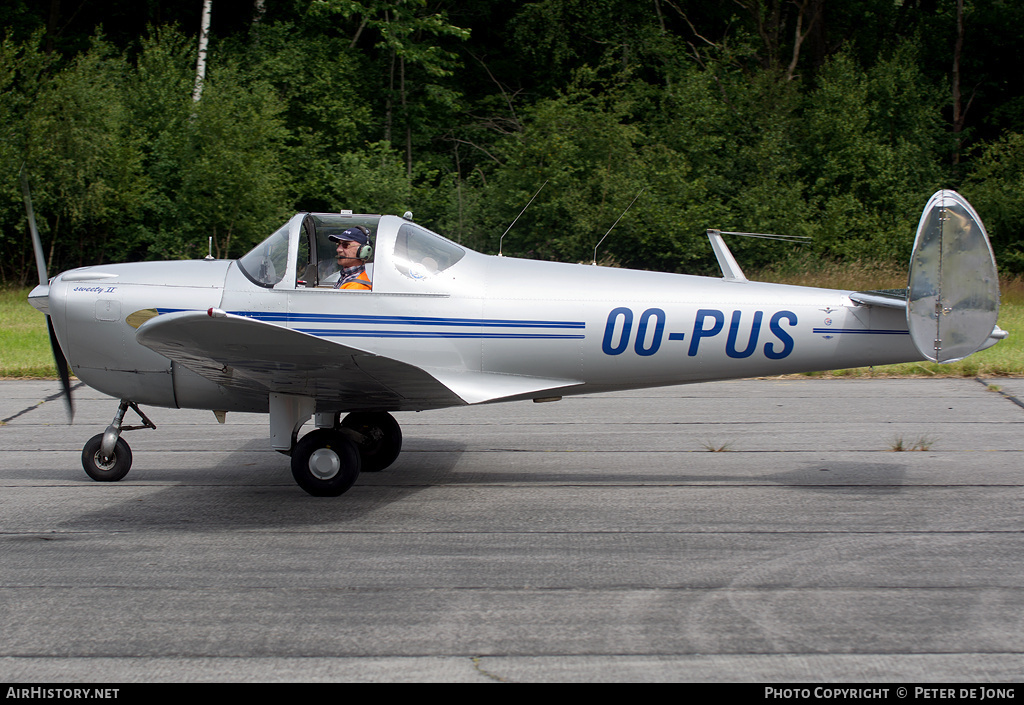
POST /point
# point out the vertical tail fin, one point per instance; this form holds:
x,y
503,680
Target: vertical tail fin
x,y
953,286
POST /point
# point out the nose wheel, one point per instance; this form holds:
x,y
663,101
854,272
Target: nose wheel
x,y
106,468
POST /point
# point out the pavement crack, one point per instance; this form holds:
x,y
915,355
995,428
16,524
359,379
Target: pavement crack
x,y
52,397
478,667
1000,392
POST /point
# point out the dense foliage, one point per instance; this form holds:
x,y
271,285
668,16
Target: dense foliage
x,y
834,120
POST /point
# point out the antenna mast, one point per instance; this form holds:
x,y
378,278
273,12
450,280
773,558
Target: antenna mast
x,y
616,223
517,217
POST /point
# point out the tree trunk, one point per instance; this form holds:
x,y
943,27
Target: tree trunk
x,y
958,111
405,114
52,22
204,38
389,104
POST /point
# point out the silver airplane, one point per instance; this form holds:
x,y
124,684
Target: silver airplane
x,y
446,326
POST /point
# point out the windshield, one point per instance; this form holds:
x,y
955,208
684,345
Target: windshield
x,y
267,263
420,253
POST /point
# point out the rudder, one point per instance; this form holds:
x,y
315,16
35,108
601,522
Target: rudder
x,y
953,286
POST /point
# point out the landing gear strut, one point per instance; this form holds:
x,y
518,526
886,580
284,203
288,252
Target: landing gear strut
x,y
106,456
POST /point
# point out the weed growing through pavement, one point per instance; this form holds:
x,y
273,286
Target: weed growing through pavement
x,y
900,444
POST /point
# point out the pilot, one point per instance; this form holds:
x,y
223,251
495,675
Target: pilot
x,y
353,251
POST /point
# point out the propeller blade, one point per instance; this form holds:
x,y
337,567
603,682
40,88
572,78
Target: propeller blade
x,y
59,360
37,245
62,369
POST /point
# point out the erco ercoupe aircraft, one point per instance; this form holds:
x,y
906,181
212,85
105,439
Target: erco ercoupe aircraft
x,y
446,326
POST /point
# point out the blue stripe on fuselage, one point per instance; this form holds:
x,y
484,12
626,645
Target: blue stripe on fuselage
x,y
860,331
407,320
374,332
336,333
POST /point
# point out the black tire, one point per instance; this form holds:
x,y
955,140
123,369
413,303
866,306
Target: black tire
x,y
325,463
383,438
111,470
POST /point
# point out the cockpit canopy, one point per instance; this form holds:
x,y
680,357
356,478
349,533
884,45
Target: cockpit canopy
x,y
302,246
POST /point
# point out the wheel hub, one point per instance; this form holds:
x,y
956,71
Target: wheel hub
x,y
102,463
324,464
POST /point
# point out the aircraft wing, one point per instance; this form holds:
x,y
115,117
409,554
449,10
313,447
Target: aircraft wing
x,y
254,356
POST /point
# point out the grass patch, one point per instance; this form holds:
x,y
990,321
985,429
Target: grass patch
x,y
24,342
853,276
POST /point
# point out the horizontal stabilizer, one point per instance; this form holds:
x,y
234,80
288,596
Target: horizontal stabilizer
x,y
886,298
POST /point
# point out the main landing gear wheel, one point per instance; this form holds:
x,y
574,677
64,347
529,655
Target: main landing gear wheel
x,y
383,438
325,463
109,469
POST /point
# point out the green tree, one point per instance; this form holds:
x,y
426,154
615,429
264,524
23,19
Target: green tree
x,y
996,189
410,40
84,154
320,83
595,158
23,71
874,154
217,165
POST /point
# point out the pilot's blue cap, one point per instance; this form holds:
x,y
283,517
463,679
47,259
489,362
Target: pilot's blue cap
x,y
352,235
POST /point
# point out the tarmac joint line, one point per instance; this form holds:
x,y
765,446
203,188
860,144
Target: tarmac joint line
x,y
997,390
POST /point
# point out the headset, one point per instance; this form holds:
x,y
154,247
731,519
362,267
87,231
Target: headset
x,y
364,252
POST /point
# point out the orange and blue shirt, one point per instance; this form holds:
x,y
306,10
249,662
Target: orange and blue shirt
x,y
354,278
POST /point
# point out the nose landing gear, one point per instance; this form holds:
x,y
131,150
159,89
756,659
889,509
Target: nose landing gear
x,y
106,456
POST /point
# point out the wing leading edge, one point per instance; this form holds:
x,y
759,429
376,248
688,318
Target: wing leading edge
x,y
248,355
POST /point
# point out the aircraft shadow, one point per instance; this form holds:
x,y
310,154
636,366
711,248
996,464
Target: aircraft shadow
x,y
845,477
253,489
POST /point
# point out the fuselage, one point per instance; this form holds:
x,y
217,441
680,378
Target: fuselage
x,y
597,328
